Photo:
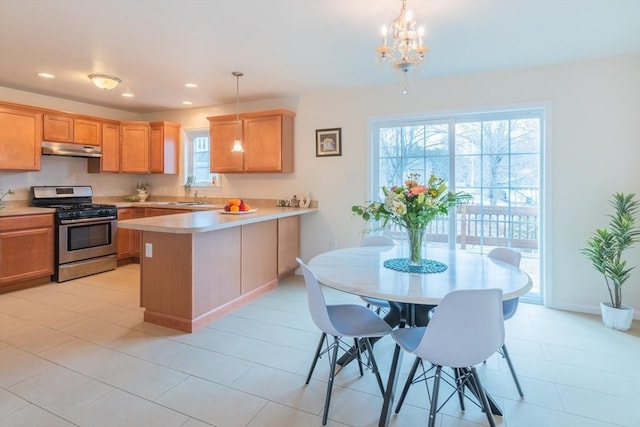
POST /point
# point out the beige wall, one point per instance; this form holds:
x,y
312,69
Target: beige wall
x,y
593,150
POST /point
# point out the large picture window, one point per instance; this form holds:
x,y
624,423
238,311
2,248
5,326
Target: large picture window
x,y
497,157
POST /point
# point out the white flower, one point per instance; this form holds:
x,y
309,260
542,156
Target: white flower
x,y
398,207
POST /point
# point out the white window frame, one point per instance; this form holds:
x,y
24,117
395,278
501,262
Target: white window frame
x,y
189,159
541,111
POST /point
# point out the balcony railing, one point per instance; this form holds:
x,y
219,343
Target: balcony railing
x,y
515,227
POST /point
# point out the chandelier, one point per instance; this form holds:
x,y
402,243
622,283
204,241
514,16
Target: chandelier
x,y
406,49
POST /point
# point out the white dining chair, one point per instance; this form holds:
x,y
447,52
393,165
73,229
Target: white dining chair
x,y
380,240
465,330
341,321
509,306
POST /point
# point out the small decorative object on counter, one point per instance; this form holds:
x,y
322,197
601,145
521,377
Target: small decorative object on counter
x,y
191,179
295,203
143,190
4,193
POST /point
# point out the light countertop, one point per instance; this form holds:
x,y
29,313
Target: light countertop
x,y
24,210
209,220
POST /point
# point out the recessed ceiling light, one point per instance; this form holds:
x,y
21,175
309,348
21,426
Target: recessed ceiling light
x,y
191,85
128,95
187,103
46,75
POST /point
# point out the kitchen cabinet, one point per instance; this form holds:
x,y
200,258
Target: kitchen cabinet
x,y
87,131
20,138
110,160
134,147
26,250
164,147
59,127
267,138
128,240
288,244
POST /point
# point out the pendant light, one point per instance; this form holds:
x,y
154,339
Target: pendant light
x,y
237,143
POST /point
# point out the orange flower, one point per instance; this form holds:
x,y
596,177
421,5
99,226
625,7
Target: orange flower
x,y
417,189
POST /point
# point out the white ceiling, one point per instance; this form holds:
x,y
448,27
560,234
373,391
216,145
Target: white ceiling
x,y
284,47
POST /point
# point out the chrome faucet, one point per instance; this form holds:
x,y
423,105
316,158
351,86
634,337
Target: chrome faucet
x,y
195,196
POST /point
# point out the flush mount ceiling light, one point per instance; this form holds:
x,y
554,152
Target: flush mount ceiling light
x,y
104,81
237,143
405,50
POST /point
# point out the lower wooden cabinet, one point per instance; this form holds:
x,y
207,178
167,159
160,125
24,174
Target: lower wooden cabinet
x,y
26,248
129,240
288,244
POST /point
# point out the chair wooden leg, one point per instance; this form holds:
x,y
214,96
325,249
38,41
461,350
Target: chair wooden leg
x,y
332,374
505,353
356,348
374,365
483,397
315,358
434,398
408,383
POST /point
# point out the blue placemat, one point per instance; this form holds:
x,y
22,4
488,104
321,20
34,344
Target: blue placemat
x,y
428,266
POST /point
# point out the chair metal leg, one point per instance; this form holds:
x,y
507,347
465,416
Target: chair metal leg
x,y
315,358
374,365
332,374
505,353
356,348
483,397
408,383
434,397
460,386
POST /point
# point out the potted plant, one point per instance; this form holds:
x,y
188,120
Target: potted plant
x,y
605,250
4,193
143,190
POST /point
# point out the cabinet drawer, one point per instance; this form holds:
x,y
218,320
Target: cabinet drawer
x,y
26,221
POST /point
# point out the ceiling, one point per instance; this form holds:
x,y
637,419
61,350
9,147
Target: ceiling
x,y
284,47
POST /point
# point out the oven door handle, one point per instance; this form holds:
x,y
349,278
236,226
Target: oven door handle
x,y
87,220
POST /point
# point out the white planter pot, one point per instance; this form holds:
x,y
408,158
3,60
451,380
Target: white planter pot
x,y
142,195
616,318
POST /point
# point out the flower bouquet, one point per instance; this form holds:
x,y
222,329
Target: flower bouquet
x,y
413,206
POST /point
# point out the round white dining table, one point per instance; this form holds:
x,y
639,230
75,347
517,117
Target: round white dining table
x,y
361,271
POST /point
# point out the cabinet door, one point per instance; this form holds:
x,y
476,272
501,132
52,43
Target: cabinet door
x,y
134,148
87,132
20,138
288,244
58,128
110,160
125,237
262,144
26,245
221,137
164,140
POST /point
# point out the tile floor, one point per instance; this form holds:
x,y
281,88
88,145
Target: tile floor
x,y
79,354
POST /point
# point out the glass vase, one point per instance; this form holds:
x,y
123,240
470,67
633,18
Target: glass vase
x,y
416,237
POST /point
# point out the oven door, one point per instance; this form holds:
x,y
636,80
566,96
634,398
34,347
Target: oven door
x,y
80,239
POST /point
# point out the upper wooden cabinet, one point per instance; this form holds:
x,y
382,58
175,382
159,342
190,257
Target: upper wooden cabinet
x,y
134,147
267,138
20,138
67,128
164,147
58,127
87,131
110,160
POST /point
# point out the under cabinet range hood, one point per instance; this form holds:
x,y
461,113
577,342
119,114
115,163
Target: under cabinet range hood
x,y
70,149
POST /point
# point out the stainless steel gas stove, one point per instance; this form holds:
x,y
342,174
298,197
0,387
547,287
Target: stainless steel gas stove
x,y
86,233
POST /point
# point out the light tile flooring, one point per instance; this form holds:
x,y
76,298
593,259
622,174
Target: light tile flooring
x,y
79,354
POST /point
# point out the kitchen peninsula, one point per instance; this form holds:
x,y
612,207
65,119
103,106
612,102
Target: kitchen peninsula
x,y
196,267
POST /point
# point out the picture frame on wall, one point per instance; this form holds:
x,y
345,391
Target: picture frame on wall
x,y
328,142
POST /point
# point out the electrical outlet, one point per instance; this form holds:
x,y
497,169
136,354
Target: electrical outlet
x,y
148,250
333,244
